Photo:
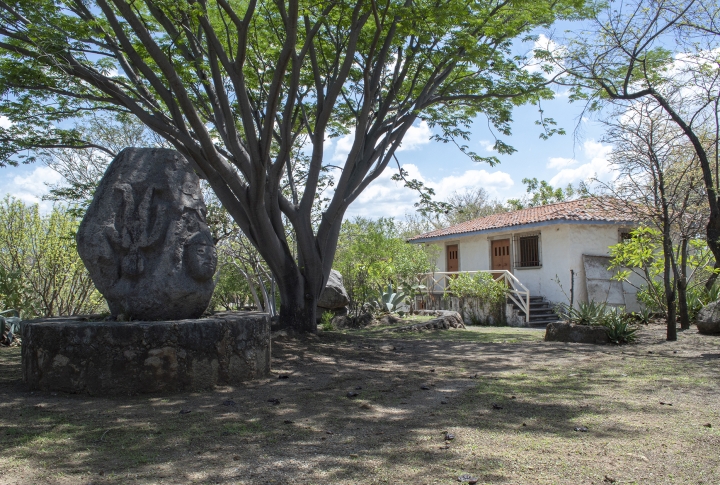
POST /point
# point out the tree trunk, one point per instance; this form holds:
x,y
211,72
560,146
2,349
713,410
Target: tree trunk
x,y
713,242
681,279
669,293
297,308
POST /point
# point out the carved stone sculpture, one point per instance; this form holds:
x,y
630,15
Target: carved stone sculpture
x,y
144,238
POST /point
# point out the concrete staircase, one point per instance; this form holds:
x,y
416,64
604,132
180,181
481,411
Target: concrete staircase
x,y
541,312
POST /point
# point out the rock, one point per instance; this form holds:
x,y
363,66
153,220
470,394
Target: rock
x,y
334,295
361,321
144,238
708,319
447,321
569,332
336,312
389,320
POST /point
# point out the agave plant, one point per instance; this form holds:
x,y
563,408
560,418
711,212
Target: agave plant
x,y
9,324
590,313
388,301
619,327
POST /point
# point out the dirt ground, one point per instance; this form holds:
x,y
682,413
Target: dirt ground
x,y
647,413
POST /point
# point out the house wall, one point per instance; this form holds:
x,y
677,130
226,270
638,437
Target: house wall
x,y
561,247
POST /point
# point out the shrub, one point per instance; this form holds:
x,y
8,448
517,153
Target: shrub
x,y
485,289
388,301
326,321
699,296
590,313
619,327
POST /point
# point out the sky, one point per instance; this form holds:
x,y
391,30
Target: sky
x,y
560,160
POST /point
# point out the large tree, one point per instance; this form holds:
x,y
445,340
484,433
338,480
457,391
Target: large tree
x,y
238,85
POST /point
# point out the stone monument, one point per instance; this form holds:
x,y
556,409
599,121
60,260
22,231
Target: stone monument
x,y
144,238
150,253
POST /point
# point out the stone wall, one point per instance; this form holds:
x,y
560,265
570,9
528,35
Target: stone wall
x,y
75,354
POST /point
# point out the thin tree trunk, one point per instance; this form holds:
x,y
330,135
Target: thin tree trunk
x,y
681,279
669,289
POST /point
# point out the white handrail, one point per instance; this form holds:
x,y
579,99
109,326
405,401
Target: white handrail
x,y
438,281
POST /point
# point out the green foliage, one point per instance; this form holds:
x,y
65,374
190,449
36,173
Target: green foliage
x,y
644,315
326,321
41,273
541,193
642,256
590,313
372,253
389,301
483,289
699,296
619,326
232,291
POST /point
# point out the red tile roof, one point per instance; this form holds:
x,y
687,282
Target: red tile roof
x,y
590,209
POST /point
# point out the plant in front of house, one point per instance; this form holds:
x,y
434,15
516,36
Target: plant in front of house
x,y
590,313
388,301
699,296
619,326
482,289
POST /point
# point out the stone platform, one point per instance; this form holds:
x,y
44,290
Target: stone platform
x,y
78,355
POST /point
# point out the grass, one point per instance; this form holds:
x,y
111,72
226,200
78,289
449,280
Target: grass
x,y
511,400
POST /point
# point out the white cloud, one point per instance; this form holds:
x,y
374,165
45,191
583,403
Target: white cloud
x,y
597,165
545,43
343,146
5,122
559,162
415,137
31,188
488,145
387,198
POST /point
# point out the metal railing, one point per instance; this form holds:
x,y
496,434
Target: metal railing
x,y
517,292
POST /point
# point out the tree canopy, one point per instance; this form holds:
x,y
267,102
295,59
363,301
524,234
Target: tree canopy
x,y
245,88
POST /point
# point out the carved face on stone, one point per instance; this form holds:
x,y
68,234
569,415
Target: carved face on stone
x,y
201,258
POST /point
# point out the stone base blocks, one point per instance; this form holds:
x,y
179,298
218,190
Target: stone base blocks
x,y
73,354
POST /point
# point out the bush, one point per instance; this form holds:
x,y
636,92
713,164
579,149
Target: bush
x,y
699,296
485,289
590,313
619,327
326,321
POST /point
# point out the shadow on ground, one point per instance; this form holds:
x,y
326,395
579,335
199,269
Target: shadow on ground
x,y
524,411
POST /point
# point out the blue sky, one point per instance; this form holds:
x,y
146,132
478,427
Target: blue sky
x,y
560,160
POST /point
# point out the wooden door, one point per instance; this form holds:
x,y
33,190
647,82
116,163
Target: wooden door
x,y
453,263
501,254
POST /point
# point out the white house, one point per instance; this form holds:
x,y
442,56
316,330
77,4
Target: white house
x,y
540,246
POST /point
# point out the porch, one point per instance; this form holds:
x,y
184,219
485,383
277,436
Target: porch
x,y
521,308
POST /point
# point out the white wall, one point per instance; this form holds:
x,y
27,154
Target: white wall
x,y
561,249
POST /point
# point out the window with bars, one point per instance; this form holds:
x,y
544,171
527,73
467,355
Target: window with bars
x,y
528,251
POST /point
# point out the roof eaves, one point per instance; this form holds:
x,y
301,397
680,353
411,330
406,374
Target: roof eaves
x,y
531,225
